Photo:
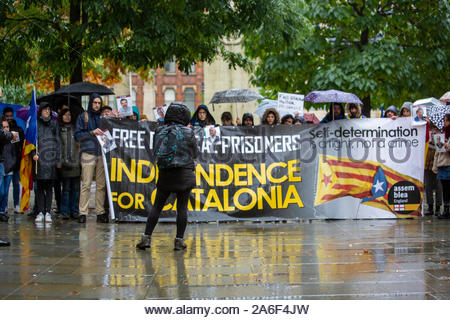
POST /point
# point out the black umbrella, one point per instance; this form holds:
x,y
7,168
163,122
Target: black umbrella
x,y
85,88
56,101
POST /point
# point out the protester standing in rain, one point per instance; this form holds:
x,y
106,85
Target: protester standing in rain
x,y
287,119
47,158
70,171
202,117
5,138
354,111
441,167
405,110
9,161
175,151
8,113
247,120
57,183
391,112
431,182
227,119
299,120
336,113
86,131
270,117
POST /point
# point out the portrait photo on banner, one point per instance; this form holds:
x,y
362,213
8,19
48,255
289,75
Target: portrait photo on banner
x,y
159,113
212,134
439,140
124,106
106,141
418,113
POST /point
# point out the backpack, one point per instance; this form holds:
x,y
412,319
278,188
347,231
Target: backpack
x,y
168,142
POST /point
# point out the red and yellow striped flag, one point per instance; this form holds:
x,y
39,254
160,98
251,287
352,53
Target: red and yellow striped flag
x,y
26,165
366,180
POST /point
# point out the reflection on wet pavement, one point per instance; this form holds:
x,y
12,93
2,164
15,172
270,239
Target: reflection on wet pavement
x,y
367,259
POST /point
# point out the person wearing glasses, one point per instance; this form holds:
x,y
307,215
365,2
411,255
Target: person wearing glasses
x,y
86,129
202,117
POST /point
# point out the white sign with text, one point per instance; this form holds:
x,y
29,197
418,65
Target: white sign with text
x,y
291,102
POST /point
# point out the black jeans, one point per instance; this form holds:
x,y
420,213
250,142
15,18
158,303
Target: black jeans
x,y
446,191
58,194
160,200
431,184
44,195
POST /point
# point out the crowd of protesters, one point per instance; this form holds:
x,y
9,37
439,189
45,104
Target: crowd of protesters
x,y
72,157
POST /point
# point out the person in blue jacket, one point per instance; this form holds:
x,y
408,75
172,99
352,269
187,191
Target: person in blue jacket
x,y
86,131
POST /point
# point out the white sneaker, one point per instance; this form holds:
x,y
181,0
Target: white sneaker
x,y
48,217
39,217
17,209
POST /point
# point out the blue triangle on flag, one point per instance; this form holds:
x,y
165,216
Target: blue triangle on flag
x,y
379,186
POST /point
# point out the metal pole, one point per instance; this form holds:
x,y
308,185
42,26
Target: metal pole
x,y
108,187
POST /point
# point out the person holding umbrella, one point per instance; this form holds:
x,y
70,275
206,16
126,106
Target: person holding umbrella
x,y
336,113
247,120
227,119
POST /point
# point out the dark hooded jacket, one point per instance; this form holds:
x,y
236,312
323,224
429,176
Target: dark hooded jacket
x,y
86,123
5,138
49,148
19,145
247,116
209,118
329,115
181,176
70,153
391,108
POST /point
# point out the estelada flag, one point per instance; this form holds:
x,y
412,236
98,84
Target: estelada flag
x,y
366,180
29,144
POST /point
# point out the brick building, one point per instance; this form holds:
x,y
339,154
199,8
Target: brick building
x,y
172,84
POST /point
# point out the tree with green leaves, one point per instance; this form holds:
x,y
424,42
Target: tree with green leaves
x,y
384,51
53,40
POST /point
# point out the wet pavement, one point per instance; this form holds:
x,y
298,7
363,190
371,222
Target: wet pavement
x,y
347,259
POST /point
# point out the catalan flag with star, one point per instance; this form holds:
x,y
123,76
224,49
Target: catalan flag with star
x,y
29,144
366,180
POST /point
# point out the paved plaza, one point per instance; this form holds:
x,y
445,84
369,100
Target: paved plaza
x,y
340,259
